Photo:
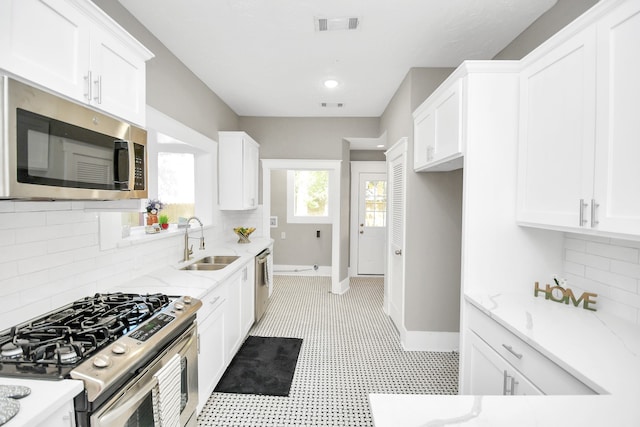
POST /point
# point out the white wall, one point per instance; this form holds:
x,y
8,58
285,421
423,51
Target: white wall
x,y
608,267
50,255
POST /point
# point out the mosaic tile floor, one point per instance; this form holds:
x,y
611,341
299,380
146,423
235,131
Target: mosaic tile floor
x,y
350,349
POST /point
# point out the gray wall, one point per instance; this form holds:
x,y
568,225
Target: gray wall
x,y
367,155
556,18
171,87
301,246
433,218
312,138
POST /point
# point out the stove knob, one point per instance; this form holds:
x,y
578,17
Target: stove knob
x,y
101,361
187,299
178,306
119,348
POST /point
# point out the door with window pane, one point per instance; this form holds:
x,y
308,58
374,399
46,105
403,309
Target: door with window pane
x,y
372,222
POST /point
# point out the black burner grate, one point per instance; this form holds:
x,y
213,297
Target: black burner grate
x,y
52,344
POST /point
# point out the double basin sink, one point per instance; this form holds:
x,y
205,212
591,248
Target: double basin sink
x,y
216,262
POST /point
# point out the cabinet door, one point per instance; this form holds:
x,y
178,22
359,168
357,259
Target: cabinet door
x,y
211,354
490,374
232,321
438,132
247,298
250,178
61,417
556,147
117,78
424,139
618,126
47,42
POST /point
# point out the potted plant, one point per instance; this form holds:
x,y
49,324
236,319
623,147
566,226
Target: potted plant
x,y
153,208
163,220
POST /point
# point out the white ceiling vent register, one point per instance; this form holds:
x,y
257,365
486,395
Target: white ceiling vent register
x,y
332,104
336,24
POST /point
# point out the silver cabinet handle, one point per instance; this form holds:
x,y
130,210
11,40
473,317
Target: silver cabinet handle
x,y
98,83
512,351
398,252
594,209
89,81
582,206
504,383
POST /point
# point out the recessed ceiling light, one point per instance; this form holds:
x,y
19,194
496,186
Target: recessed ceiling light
x,y
330,84
380,146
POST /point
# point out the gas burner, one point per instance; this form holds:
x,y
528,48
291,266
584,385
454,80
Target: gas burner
x,y
66,354
11,351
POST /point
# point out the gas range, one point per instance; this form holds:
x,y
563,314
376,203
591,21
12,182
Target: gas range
x,y
51,345
116,344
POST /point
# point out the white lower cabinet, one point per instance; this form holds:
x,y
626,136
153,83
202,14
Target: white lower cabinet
x,y
232,333
498,362
492,375
62,417
247,298
211,343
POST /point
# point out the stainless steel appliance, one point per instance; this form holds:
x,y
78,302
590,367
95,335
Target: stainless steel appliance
x,y
117,344
51,148
263,282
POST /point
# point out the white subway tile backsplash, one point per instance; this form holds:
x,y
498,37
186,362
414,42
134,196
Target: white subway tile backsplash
x,y
574,268
608,267
628,284
50,255
612,251
594,261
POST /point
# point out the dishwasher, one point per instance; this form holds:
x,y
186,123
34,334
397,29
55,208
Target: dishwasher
x,y
263,282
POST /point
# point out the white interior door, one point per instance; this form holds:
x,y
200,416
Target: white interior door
x,y
372,222
394,283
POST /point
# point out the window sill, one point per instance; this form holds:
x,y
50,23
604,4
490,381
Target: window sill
x,y
139,236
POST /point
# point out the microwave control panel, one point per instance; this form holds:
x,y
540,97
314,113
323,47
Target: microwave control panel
x,y
138,154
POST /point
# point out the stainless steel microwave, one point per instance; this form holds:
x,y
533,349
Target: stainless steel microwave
x,y
55,149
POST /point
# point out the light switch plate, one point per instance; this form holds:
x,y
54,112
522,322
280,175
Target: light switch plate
x,y
273,221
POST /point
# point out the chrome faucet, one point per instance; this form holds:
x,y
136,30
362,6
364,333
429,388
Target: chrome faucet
x,y
188,251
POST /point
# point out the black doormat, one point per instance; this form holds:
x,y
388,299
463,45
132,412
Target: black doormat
x,y
263,365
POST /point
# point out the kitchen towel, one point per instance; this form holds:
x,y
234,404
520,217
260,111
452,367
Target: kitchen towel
x,y
166,395
263,365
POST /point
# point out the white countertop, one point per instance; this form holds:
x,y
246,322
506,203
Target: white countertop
x,y
171,280
602,351
46,397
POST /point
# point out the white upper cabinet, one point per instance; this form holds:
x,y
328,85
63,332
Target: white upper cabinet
x,y
557,133
73,48
617,174
437,129
578,136
238,157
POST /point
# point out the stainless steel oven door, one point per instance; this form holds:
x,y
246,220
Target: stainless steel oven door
x,y
133,405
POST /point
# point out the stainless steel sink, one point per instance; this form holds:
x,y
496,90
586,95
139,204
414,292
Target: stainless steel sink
x,y
218,259
216,262
203,266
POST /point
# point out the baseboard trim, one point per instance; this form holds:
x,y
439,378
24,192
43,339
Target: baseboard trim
x,y
300,270
430,341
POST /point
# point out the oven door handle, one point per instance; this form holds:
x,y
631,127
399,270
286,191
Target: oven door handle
x,y
120,414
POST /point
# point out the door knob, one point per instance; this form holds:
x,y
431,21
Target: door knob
x,y
361,225
361,232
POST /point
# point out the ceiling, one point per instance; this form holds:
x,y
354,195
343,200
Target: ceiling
x,y
266,58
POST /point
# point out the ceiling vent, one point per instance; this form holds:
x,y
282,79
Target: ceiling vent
x,y
332,104
336,24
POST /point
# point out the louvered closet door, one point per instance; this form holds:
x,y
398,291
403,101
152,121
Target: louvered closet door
x,y
396,169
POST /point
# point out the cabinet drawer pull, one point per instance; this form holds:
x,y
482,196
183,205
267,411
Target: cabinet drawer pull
x,y
583,205
594,209
512,351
